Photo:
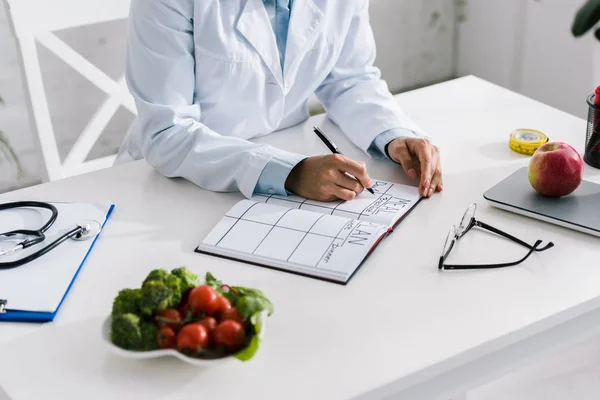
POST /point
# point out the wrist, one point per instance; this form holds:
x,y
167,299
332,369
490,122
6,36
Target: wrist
x,y
380,145
294,177
386,149
390,149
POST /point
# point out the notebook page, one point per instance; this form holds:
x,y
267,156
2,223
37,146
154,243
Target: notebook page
x,y
316,244
389,203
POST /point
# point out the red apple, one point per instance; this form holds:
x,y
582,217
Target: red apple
x,y
555,169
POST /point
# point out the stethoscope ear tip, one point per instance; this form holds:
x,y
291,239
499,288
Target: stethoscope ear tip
x,y
89,229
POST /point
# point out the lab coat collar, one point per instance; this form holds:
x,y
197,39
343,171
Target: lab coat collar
x,y
306,23
255,26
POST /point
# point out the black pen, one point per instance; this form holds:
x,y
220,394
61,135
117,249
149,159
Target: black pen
x,y
332,147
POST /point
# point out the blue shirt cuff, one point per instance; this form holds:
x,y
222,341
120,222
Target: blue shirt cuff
x,y
377,148
274,174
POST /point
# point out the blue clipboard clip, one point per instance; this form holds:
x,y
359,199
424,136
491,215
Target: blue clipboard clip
x,y
3,306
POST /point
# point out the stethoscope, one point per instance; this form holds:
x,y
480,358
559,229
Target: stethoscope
x,y
81,231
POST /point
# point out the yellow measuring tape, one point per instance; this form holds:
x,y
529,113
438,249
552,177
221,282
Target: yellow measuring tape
x,y
526,141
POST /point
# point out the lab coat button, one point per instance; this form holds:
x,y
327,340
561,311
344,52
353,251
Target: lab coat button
x,y
271,191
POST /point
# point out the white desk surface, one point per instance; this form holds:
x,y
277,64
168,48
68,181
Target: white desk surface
x,y
397,323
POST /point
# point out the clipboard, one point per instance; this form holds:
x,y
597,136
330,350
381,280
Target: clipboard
x,y
54,273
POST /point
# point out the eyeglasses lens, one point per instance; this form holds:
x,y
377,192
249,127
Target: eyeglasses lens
x,y
449,240
466,220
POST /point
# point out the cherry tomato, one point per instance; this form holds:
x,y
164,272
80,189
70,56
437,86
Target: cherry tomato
x,y
185,296
191,337
209,323
223,304
165,338
183,310
172,315
203,298
230,334
231,314
183,305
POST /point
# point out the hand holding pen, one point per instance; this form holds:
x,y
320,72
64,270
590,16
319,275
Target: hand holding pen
x,y
333,148
419,158
328,177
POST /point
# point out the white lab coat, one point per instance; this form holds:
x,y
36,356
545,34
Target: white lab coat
x,y
206,78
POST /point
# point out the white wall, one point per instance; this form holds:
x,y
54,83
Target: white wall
x,y
487,38
414,39
556,66
526,46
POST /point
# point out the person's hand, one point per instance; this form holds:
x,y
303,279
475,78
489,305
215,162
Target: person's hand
x,y
323,178
420,160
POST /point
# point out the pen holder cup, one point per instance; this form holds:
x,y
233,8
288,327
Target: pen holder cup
x,y
592,138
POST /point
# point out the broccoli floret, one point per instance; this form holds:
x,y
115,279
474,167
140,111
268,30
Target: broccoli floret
x,y
176,287
148,333
127,302
188,278
130,332
156,296
160,275
126,332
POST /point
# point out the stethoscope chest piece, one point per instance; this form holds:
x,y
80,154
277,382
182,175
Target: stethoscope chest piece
x,y
89,229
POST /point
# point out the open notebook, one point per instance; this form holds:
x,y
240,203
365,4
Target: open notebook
x,y
326,240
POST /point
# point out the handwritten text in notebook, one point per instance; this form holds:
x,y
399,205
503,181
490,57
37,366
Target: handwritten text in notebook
x,y
387,206
324,240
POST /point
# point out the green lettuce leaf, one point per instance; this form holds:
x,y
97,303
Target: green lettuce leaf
x,y
248,305
251,301
213,282
248,352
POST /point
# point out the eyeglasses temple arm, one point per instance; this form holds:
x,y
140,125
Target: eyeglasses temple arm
x,y
488,266
508,236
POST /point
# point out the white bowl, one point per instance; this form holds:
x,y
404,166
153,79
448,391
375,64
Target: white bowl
x,y
167,352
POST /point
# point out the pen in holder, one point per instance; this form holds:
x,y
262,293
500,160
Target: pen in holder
x,y
592,139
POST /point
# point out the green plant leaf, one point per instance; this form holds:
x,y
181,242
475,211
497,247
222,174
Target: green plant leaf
x,y
249,305
586,18
3,150
213,282
251,301
248,352
9,152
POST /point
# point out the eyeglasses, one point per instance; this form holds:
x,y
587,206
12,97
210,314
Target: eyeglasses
x,y
468,222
